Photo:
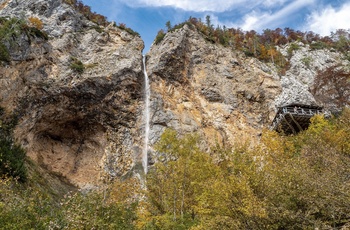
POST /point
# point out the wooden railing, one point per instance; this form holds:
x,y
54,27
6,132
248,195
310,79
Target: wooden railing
x,y
294,111
301,111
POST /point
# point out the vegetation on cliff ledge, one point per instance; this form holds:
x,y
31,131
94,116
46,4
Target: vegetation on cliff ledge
x,y
99,19
76,65
263,46
12,29
285,182
86,11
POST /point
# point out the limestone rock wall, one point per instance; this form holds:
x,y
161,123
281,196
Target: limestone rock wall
x,y
202,87
85,127
298,84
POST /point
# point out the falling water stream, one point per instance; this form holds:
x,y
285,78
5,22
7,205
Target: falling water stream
x,y
146,117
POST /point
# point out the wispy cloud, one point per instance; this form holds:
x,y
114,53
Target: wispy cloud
x,y
258,20
187,5
271,3
205,5
329,19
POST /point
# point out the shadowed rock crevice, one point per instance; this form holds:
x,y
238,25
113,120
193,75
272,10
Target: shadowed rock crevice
x,y
72,149
172,62
67,132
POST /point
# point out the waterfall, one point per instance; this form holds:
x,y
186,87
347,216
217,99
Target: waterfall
x,y
146,117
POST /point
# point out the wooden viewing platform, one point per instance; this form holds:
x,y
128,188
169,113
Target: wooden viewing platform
x,y
293,118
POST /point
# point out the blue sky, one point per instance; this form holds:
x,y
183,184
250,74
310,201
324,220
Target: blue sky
x,y
149,16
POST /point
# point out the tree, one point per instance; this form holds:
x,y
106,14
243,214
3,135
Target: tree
x,y
168,26
331,86
208,24
207,21
272,52
306,184
171,192
187,188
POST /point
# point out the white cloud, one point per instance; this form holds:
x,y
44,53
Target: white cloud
x,y
198,5
329,19
270,3
254,20
262,20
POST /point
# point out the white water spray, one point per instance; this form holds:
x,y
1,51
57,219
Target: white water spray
x,y
146,117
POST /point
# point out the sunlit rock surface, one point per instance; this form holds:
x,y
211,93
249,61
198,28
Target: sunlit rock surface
x,y
85,127
89,127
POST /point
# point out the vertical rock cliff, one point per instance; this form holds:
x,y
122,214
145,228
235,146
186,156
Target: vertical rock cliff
x,y
82,125
204,87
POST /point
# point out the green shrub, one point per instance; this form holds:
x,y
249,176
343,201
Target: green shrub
x,y
160,36
25,207
97,28
10,30
12,156
307,61
210,39
248,53
38,33
4,53
293,46
76,65
342,43
127,29
178,26
347,56
318,45
93,211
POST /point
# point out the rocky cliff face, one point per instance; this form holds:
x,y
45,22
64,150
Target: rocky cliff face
x,y
81,126
199,86
88,126
301,82
224,95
